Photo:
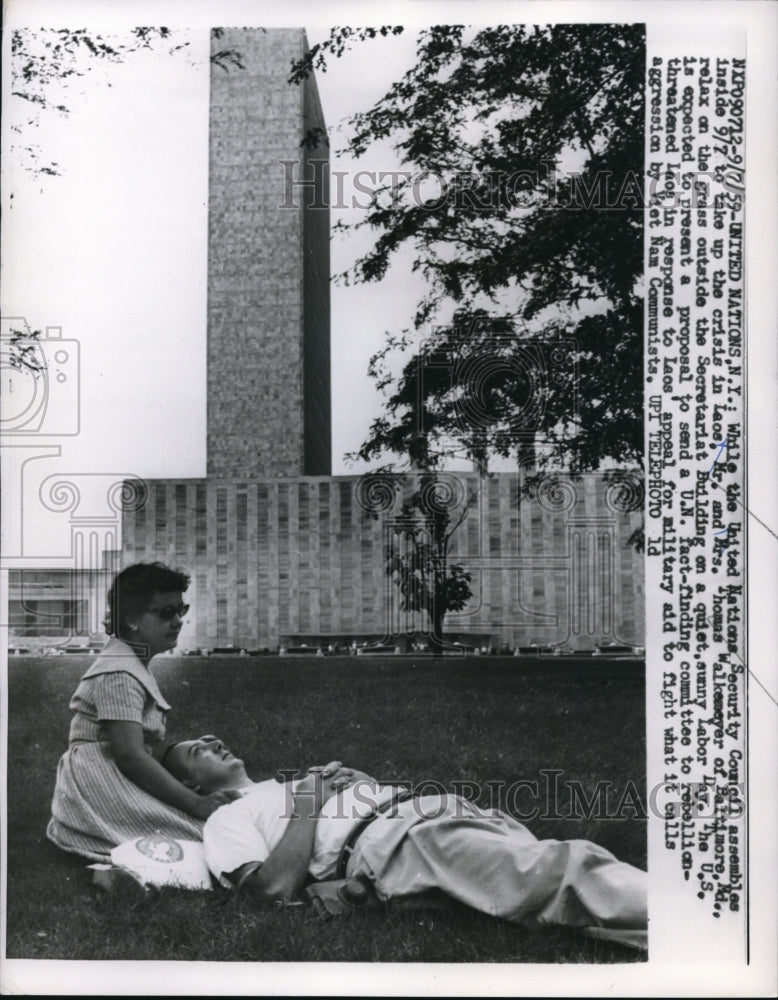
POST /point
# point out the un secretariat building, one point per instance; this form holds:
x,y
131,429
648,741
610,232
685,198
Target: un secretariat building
x,y
282,553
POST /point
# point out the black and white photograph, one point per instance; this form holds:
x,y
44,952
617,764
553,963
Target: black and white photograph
x,y
387,427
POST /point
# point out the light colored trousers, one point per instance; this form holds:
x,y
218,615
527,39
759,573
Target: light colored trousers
x,y
490,861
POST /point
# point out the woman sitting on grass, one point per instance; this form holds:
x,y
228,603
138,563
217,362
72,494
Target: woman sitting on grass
x,y
109,787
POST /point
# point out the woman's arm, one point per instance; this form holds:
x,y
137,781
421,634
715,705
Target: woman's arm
x,y
127,747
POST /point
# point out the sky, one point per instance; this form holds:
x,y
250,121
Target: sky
x,y
109,261
120,236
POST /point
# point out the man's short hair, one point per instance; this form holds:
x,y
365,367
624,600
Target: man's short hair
x,y
167,759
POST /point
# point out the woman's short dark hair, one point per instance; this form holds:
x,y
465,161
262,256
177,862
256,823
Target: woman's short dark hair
x,y
132,588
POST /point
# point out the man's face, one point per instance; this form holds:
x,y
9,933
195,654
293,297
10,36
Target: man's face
x,y
205,764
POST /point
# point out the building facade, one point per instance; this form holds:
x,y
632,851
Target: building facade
x,y
279,562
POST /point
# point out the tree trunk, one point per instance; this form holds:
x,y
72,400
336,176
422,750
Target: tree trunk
x,y
438,609
437,616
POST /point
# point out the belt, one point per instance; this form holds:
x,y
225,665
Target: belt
x,y
348,847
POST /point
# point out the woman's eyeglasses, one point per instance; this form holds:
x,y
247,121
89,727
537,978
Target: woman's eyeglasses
x,y
169,612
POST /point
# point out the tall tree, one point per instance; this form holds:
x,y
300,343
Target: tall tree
x,y
528,227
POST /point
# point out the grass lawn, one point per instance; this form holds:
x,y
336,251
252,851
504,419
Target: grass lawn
x,y
482,720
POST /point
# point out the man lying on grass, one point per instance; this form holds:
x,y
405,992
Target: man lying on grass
x,y
337,821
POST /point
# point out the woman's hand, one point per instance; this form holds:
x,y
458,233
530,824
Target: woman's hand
x,y
210,803
126,741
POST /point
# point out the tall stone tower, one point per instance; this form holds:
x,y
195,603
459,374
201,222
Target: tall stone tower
x,y
268,265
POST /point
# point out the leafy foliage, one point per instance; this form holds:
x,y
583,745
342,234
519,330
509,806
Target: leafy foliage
x,y
340,41
479,387
520,199
22,351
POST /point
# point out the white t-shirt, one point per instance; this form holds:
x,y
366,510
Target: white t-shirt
x,y
249,828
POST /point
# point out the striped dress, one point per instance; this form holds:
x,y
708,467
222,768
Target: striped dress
x,y
95,807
